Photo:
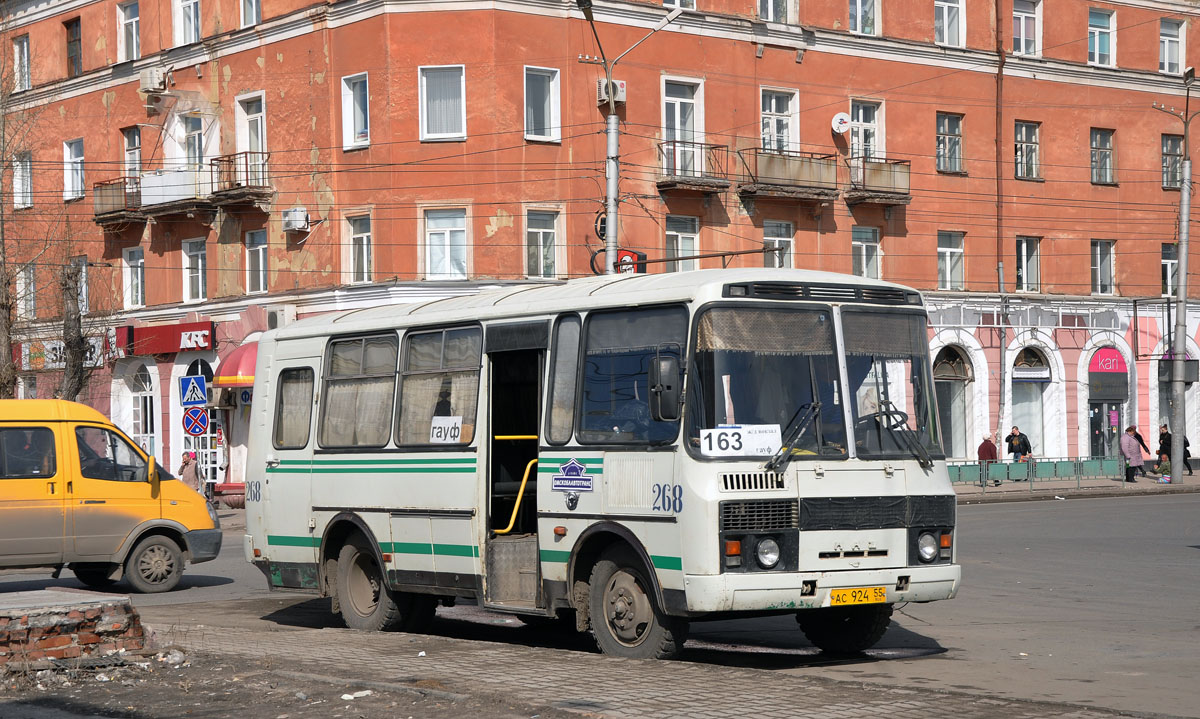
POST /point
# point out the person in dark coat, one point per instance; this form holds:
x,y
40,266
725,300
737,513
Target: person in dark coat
x,y
1018,444
1138,436
1164,447
987,450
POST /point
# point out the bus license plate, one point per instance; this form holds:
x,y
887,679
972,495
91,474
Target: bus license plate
x,y
858,595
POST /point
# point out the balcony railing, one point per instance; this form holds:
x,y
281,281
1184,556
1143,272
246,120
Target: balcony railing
x,y
178,184
120,194
242,170
876,174
693,165
803,175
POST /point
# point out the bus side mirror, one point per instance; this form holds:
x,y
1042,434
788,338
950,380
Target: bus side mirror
x,y
666,388
152,475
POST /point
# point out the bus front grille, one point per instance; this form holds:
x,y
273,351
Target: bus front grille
x,y
760,515
742,481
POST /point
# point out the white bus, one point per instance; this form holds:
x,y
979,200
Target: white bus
x,y
638,451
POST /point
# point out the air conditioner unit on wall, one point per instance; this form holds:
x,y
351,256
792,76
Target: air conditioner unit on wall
x,y
602,91
295,219
280,316
152,80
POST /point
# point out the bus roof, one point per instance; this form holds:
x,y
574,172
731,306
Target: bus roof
x,y
47,410
552,297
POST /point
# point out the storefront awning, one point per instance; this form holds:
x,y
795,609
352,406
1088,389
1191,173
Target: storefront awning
x,y
237,370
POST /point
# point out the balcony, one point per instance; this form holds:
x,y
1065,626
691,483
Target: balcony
x,y
117,201
878,181
177,191
242,179
802,176
693,167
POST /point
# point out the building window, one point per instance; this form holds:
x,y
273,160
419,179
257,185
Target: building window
x,y
73,169
1101,41
862,17
949,142
864,250
777,243
1172,161
446,244
132,137
251,12
23,180
1170,268
1028,264
81,277
129,44
948,22
541,104
777,121
27,387
443,103
193,133
865,136
252,138
360,249
1102,267
681,151
1103,167
952,379
685,4
682,242
1170,46
1025,27
21,80
256,261
356,119
27,293
540,243
950,260
135,277
772,10
195,271
1030,376
74,48
141,386
1028,167
187,22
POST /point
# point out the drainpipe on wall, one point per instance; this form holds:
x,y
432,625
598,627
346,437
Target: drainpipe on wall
x,y
1001,57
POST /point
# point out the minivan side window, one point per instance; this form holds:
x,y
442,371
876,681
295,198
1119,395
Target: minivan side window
x,y
293,410
104,454
27,452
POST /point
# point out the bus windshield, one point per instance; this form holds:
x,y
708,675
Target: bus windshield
x,y
887,368
755,372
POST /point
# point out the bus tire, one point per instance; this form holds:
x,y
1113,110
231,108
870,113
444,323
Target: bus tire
x,y
155,565
626,620
365,600
845,630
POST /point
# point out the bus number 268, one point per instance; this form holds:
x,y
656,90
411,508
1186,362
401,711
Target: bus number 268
x,y
668,498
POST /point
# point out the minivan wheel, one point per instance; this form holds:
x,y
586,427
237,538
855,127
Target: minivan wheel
x,y
154,565
96,577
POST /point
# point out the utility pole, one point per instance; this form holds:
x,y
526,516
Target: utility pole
x,y
1178,426
612,132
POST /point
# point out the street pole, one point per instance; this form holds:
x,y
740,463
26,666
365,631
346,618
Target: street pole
x,y
612,131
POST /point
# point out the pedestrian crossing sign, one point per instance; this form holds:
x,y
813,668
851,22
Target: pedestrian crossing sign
x,y
192,391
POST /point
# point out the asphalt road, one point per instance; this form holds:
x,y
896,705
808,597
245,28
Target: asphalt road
x,y
1086,601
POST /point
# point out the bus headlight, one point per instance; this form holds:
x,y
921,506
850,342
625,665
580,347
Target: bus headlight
x,y
927,547
767,552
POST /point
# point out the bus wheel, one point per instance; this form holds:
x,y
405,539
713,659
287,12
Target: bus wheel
x,y
626,621
845,630
154,565
365,600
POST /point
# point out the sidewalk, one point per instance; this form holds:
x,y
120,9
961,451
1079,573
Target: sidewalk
x,y
1038,489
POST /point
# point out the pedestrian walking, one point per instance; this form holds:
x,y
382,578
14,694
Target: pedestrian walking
x,y
1138,436
1018,445
189,471
987,453
1132,453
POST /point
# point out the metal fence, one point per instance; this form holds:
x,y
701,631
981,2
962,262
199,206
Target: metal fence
x,y
1042,469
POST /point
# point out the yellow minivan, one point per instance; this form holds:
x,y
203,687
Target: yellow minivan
x,y
76,492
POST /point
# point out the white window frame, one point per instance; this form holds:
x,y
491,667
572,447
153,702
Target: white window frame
x,y
255,16
1094,34
22,180
21,76
1029,264
1103,174
1097,263
131,139
854,23
254,171
948,278
779,243
769,9
82,297
674,243
74,178
1170,270
126,53
1021,149
1036,15
195,262
872,267
948,153
674,164
557,248
27,387
857,128
942,9
792,117
352,138
424,105
133,272
360,247
261,253
193,140
26,289
182,8
1165,42
1172,162
554,122
685,4
428,236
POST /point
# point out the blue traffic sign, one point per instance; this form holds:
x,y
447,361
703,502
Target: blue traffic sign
x,y
192,391
195,421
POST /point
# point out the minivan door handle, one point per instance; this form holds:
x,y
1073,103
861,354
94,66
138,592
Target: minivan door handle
x,y
272,462
49,487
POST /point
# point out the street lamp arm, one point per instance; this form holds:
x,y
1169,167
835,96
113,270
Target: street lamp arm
x,y
667,20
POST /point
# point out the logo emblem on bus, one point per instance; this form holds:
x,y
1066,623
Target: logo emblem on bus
x,y
572,477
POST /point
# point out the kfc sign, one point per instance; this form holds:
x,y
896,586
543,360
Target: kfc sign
x,y
167,339
194,340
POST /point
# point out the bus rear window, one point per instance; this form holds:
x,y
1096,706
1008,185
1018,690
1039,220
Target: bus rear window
x,y
293,410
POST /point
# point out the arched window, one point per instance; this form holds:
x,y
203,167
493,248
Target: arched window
x,y
208,454
952,379
145,408
1030,376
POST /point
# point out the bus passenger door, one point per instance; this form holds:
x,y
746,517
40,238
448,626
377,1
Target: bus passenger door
x,y
514,397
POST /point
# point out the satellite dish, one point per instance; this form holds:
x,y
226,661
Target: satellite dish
x,y
841,123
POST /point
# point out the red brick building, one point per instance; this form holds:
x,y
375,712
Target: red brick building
x,y
233,163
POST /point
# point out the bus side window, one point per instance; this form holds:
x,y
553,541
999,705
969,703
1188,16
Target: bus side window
x,y
359,383
563,378
293,408
439,387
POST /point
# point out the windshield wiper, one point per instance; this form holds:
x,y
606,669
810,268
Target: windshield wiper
x,y
800,421
910,438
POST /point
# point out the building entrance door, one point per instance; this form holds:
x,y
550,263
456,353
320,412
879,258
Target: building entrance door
x,y
1104,428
